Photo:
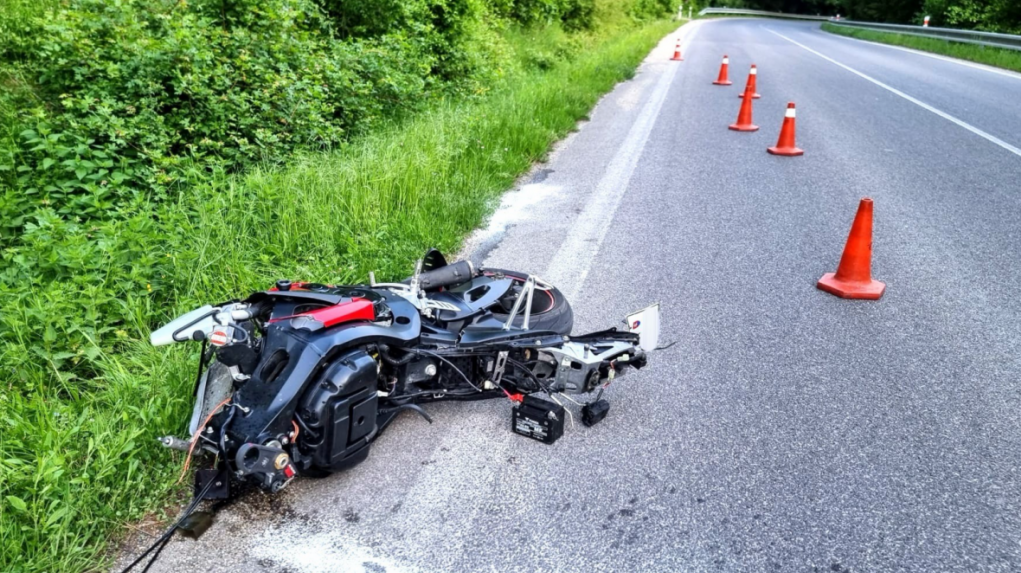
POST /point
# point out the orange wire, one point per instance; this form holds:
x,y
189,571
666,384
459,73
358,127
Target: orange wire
x,y
294,437
195,438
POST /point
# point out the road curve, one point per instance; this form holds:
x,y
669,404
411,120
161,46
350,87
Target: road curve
x,y
786,429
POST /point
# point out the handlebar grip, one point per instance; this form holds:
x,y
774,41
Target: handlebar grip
x,y
445,276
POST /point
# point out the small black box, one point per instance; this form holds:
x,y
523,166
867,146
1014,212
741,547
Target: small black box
x,y
538,419
594,413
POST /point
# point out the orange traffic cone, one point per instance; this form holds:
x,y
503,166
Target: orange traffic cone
x,y
785,144
744,117
722,79
750,86
677,53
853,278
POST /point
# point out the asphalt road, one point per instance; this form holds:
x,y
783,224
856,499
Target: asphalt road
x,y
786,430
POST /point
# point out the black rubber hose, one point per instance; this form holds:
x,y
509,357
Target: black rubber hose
x,y
384,353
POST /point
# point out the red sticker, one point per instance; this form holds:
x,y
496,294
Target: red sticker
x,y
218,338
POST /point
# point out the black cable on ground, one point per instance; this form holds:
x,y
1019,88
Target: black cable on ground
x,y
164,539
156,555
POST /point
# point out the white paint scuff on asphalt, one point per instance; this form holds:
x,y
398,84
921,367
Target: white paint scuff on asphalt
x,y
987,136
514,207
319,553
571,264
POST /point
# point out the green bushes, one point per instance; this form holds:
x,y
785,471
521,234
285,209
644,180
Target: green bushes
x,y
137,97
111,100
989,15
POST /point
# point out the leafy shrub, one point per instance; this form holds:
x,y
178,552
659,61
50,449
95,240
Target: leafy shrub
x,y
642,9
138,97
573,15
446,31
992,15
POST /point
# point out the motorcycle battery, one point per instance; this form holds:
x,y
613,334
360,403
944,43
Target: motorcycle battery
x,y
538,419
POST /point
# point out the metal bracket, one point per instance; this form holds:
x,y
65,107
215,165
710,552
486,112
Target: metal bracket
x,y
525,295
501,364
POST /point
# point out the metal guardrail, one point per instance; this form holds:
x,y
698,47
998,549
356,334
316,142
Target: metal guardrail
x,y
991,39
743,12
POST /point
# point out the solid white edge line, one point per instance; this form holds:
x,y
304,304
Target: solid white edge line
x,y
989,137
958,61
570,266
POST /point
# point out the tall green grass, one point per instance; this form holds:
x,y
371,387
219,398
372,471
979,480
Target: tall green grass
x,y
79,460
1007,59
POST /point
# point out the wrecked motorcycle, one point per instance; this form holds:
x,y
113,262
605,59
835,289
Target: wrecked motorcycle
x,y
300,379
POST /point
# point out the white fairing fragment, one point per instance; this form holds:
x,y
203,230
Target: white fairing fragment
x,y
165,335
646,323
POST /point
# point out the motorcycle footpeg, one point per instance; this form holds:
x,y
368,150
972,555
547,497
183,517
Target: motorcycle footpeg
x,y
592,414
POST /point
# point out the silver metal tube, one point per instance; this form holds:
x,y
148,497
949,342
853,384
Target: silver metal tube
x,y
526,291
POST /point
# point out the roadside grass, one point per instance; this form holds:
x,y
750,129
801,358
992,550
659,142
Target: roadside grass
x,y
1007,59
80,460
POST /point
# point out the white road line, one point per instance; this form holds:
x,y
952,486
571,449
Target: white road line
x,y
982,67
571,264
916,101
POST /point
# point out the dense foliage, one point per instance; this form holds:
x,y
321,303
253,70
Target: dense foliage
x,y
130,97
989,15
159,154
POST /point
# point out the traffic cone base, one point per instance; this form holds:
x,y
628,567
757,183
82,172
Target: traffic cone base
x,y
853,278
754,96
744,127
723,82
786,151
870,290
